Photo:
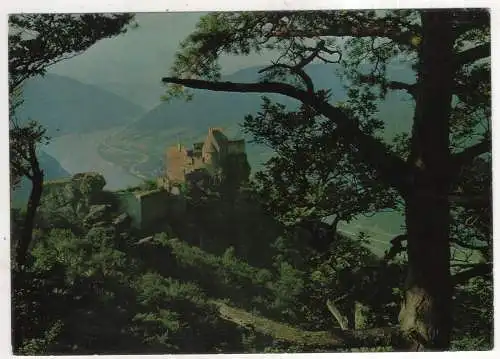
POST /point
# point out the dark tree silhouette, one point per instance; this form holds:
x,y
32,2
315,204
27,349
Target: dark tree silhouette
x,y
449,51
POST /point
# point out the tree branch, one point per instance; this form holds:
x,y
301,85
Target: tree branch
x,y
314,53
392,169
479,270
297,70
473,54
468,245
319,339
374,28
398,85
467,155
393,85
326,61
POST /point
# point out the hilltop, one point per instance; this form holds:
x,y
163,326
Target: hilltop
x,y
64,106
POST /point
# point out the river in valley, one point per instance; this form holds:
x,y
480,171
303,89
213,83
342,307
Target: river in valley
x,y
79,153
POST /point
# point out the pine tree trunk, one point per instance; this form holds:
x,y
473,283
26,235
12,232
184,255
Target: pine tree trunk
x,y
426,309
33,203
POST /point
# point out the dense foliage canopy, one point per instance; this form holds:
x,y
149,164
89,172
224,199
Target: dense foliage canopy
x,y
418,173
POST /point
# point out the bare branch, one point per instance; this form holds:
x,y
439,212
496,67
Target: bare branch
x,y
322,48
398,85
342,320
314,53
393,85
326,61
319,339
299,68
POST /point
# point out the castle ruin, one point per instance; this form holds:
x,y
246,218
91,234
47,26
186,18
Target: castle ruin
x,y
208,157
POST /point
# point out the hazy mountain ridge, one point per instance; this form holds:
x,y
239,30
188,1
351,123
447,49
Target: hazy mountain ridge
x,y
64,105
139,145
67,106
137,142
185,122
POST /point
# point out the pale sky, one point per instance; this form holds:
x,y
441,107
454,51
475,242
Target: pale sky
x,y
142,56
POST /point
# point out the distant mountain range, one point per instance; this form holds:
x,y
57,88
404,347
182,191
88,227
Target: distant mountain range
x,y
64,105
137,138
67,106
93,128
180,121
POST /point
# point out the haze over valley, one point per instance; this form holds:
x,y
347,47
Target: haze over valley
x,y
93,129
103,109
254,182
107,116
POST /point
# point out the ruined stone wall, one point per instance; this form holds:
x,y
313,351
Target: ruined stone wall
x,y
154,206
209,155
175,161
148,208
198,163
234,147
55,186
130,204
178,164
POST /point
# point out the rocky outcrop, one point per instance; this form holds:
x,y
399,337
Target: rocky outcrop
x,y
122,222
97,213
71,202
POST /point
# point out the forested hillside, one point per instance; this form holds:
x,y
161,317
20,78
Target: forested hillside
x,y
196,283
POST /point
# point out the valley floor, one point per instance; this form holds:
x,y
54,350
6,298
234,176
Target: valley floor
x,y
79,153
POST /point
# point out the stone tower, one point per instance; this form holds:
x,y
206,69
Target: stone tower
x,y
207,156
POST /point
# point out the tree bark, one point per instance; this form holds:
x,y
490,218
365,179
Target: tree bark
x,y
425,315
